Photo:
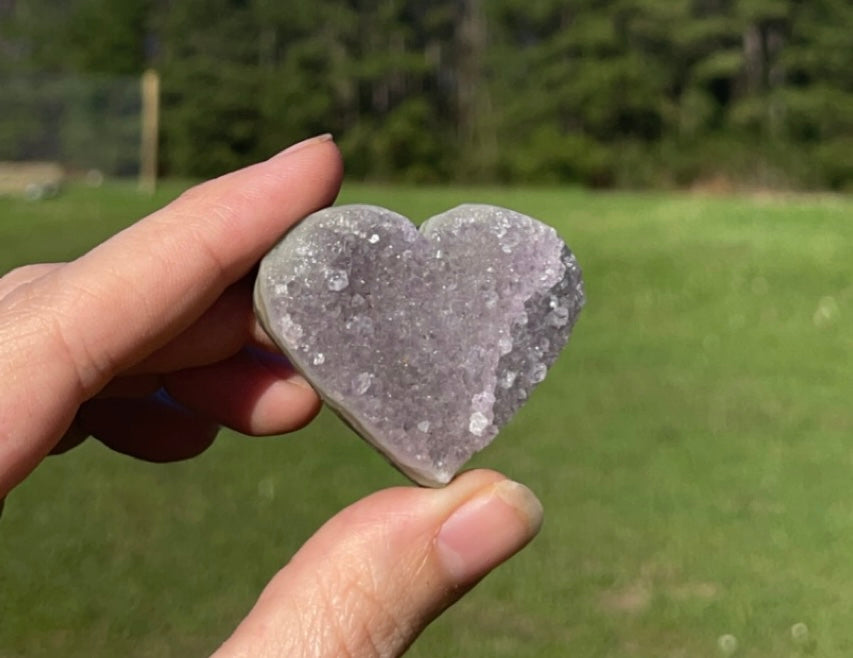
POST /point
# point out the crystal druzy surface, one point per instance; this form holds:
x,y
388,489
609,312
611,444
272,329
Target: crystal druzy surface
x,y
425,341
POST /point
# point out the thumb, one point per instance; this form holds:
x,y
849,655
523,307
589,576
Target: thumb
x,y
372,578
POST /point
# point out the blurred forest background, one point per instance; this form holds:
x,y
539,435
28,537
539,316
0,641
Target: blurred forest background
x,y
692,447
640,93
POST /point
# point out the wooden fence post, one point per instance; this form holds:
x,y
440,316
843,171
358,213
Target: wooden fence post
x,y
150,131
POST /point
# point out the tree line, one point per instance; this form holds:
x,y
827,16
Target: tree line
x,y
595,92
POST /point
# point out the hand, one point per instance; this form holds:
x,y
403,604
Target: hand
x,y
90,347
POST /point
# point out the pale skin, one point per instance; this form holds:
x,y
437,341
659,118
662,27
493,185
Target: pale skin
x,y
166,305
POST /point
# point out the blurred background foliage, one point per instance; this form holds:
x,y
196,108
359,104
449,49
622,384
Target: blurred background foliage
x,y
693,446
598,92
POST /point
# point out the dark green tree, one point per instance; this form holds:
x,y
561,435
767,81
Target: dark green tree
x,y
599,92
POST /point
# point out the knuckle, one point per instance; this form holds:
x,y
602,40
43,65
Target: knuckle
x,y
194,193
48,319
19,277
21,273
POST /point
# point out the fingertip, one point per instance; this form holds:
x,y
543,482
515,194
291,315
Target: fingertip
x,y
305,143
318,158
316,161
253,392
303,405
487,529
288,390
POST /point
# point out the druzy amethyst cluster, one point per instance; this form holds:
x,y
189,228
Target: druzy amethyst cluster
x,y
426,341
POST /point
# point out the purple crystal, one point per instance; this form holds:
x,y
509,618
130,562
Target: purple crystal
x,y
425,341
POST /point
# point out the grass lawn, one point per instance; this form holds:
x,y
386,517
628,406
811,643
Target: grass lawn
x,y
693,449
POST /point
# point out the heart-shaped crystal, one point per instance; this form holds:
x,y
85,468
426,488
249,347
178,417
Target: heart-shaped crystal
x,y
425,341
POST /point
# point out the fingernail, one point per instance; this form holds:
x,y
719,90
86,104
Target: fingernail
x,y
311,141
487,529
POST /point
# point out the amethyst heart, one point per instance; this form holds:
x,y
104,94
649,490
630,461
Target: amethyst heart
x,y
425,341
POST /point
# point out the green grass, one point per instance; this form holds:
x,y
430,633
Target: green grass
x,y
693,449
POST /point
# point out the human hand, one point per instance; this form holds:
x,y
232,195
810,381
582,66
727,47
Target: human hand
x,y
88,347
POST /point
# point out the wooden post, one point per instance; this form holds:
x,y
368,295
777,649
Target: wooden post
x,y
150,131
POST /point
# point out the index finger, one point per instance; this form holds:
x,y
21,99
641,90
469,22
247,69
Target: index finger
x,y
159,275
64,335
